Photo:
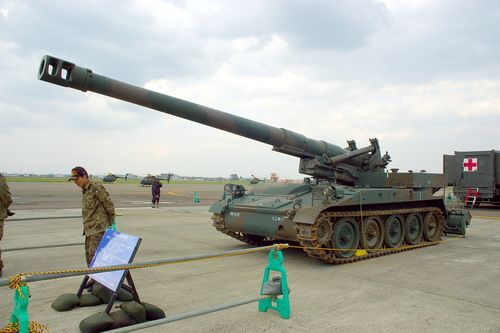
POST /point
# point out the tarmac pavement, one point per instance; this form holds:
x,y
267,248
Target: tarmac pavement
x,y
450,287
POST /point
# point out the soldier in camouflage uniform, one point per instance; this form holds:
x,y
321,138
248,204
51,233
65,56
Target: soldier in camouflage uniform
x,y
5,201
97,210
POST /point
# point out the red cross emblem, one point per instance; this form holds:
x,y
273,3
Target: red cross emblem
x,y
470,164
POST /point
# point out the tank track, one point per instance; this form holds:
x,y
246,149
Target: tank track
x,y
308,236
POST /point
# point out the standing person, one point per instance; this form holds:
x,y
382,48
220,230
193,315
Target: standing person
x,y
155,191
5,201
98,211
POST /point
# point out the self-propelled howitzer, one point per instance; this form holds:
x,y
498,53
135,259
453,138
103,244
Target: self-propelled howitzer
x,y
351,203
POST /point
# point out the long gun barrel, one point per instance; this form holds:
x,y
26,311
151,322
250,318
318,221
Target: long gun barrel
x,y
318,158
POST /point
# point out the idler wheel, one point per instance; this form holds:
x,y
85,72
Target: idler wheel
x,y
324,231
372,233
413,229
431,227
394,231
345,236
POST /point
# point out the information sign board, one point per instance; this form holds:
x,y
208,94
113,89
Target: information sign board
x,y
115,248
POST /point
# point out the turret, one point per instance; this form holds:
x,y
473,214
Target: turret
x,y
318,158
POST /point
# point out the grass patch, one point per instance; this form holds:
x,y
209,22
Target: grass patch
x,y
119,181
36,179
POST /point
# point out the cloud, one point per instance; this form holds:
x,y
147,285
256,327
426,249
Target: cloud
x,y
420,76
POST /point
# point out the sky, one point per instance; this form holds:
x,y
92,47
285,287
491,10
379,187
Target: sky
x,y
421,76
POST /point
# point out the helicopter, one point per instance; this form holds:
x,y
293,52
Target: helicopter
x,y
109,178
148,180
256,180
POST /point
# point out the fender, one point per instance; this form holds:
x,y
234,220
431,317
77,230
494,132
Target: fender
x,y
308,215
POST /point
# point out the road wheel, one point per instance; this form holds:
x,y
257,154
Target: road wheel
x,y
324,231
413,229
394,231
431,227
372,234
345,236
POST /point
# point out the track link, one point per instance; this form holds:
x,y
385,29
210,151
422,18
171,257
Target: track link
x,y
307,235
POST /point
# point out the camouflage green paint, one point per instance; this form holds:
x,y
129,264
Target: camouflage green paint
x,y
315,154
5,202
91,245
347,181
98,210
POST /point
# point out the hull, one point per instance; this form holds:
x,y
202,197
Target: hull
x,y
332,222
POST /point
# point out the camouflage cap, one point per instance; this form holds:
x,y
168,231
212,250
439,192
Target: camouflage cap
x,y
78,172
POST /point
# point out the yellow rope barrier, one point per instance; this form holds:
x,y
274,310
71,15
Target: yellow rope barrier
x,y
14,281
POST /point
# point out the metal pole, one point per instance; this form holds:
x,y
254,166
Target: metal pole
x,y
43,218
48,276
185,315
39,247
46,218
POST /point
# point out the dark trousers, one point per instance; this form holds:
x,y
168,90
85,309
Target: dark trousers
x,y
156,199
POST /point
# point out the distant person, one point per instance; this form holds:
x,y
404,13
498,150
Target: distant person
x,y
155,192
98,211
5,201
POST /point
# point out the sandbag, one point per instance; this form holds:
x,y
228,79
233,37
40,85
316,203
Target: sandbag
x,y
121,319
134,310
96,323
102,292
65,302
153,312
89,300
273,287
124,295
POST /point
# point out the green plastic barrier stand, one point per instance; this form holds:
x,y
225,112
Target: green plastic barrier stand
x,y
20,312
280,304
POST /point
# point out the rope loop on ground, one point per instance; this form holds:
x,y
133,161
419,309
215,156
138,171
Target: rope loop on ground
x,y
33,327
